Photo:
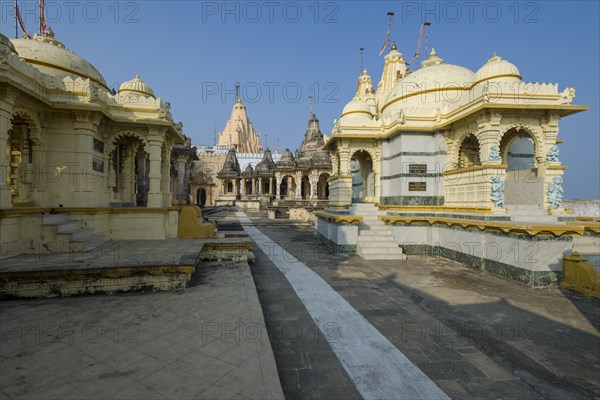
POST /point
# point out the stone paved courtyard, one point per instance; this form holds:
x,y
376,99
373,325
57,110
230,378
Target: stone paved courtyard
x,y
207,342
474,334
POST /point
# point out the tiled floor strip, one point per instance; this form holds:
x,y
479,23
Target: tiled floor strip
x,y
378,369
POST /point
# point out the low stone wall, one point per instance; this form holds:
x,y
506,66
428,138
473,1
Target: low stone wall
x,y
583,208
23,232
341,237
533,260
61,283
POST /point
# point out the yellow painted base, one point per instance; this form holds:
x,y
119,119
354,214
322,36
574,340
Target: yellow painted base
x,y
190,227
580,276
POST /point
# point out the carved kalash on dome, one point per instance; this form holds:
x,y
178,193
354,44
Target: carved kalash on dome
x,y
447,143
70,141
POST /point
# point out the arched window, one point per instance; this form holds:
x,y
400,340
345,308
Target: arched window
x,y
469,152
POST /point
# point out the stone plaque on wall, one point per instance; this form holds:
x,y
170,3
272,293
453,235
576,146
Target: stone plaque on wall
x,y
417,168
417,186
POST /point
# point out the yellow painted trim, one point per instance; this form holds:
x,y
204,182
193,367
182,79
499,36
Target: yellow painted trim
x,y
71,71
506,227
475,168
497,76
356,112
339,219
333,178
451,118
473,210
137,91
557,167
461,88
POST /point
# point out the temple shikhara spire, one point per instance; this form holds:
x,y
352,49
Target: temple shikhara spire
x,y
239,133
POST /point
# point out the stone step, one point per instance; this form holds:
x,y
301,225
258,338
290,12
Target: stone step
x,y
69,227
375,238
81,235
390,250
383,256
374,227
376,232
87,244
55,219
376,244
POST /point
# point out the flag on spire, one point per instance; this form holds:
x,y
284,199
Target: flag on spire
x,y
387,36
43,26
20,21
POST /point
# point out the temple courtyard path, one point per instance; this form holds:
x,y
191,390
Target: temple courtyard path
x,y
343,327
206,342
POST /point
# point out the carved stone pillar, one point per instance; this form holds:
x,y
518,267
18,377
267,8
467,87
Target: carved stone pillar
x,y
181,161
298,185
86,126
488,135
5,126
260,187
155,143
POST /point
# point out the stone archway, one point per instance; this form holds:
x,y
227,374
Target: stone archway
x,y
523,185
201,197
287,187
20,149
305,188
363,185
323,186
469,152
129,170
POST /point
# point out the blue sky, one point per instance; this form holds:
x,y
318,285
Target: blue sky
x,y
192,53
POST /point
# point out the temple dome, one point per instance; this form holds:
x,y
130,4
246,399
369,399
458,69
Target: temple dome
x,y
136,85
51,57
497,68
433,85
357,113
356,105
266,165
287,160
249,171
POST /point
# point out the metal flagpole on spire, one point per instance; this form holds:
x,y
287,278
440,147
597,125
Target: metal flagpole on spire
x,y
237,91
387,37
43,27
362,51
19,20
310,109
